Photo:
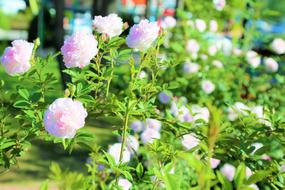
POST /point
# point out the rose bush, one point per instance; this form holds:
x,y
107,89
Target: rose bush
x,y
195,110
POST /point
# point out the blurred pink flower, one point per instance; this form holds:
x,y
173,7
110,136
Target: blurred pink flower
x,y
137,126
124,184
149,135
214,162
207,86
253,59
152,124
115,149
212,50
168,22
189,141
132,144
270,65
228,171
219,4
16,59
64,116
248,172
111,25
200,113
142,35
192,47
213,26
200,25
190,67
79,49
278,46
218,64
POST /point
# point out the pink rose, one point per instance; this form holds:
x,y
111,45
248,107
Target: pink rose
x,y
142,35
111,25
16,59
79,49
64,116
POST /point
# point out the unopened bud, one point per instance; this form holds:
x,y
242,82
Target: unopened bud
x,y
104,37
125,26
66,92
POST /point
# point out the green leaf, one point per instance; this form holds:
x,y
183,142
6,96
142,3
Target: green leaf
x,y
127,175
7,145
240,176
24,93
22,104
44,185
139,170
257,176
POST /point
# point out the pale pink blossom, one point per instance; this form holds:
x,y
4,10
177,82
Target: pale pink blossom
x,y
200,113
212,50
278,46
152,124
218,64
253,59
237,51
219,4
207,86
168,22
111,25
137,126
266,157
142,75
142,35
214,162
192,47
200,25
204,57
115,149
182,113
237,109
79,49
124,184
270,65
213,26
190,67
189,141
283,167
16,59
149,135
132,143
228,171
64,117
248,172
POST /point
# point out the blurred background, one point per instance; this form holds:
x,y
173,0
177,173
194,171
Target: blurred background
x,y
53,20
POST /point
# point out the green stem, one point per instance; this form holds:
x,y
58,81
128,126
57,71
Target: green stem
x,y
124,137
110,79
